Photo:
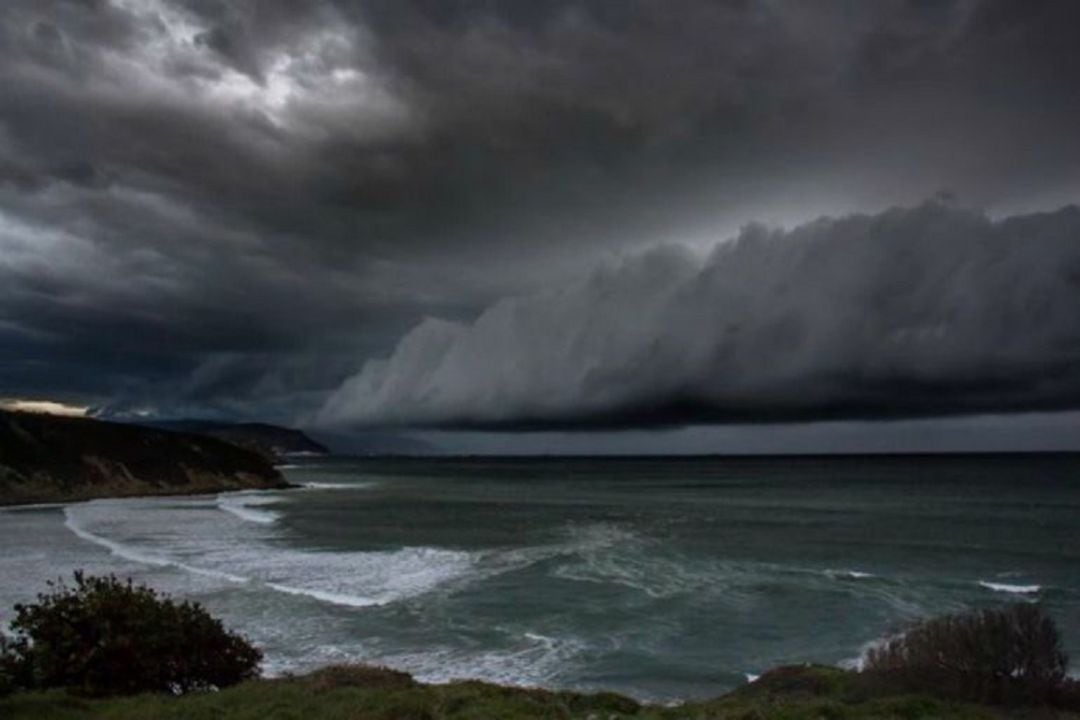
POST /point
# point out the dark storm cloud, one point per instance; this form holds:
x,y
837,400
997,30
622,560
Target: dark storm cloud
x,y
229,205
915,312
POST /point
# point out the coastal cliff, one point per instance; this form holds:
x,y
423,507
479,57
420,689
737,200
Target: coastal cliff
x,y
46,458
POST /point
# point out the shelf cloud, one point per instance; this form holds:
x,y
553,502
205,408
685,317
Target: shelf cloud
x,y
912,312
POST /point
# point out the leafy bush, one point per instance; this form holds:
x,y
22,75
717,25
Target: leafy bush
x,y
108,637
1007,655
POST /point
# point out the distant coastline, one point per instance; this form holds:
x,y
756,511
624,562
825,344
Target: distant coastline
x,y
50,459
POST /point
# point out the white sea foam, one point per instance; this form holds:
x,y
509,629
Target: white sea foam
x,y
189,537
859,661
243,506
313,657
329,597
338,486
133,554
534,660
849,574
531,659
1014,589
360,579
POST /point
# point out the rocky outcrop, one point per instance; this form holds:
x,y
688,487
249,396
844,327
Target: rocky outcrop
x,y
45,458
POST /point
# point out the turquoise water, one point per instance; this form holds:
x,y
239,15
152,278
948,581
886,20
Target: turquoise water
x,y
659,578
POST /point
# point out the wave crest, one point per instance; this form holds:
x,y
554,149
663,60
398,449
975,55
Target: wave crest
x,y
243,505
1012,589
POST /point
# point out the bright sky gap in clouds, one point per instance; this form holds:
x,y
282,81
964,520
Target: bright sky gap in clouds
x,y
481,221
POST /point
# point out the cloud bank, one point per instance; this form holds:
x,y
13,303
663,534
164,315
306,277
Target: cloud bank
x,y
924,311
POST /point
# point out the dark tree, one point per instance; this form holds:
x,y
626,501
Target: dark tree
x,y
105,636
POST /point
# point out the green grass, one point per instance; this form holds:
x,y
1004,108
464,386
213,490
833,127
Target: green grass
x,y
359,693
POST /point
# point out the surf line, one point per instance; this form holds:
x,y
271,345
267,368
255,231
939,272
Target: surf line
x,y
1013,589
244,506
127,553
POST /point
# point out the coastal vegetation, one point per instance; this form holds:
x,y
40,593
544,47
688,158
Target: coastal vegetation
x,y
360,693
1011,655
106,648
104,636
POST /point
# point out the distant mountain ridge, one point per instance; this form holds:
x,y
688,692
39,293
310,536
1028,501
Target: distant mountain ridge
x,y
277,442
271,441
47,458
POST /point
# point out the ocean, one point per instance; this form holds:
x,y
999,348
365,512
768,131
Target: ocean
x,y
661,578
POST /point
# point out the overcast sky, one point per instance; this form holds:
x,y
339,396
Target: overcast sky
x,y
652,225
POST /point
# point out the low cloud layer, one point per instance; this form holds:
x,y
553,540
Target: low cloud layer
x,y
926,311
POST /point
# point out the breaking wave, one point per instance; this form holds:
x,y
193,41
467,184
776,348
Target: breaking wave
x,y
529,659
859,661
338,486
1013,589
244,506
849,574
193,540
135,555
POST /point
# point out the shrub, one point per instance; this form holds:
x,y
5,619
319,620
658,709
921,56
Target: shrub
x,y
1068,695
108,637
11,671
1007,655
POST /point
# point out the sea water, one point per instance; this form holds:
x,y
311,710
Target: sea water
x,y
660,578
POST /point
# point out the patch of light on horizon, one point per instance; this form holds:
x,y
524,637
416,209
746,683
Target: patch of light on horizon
x,y
45,407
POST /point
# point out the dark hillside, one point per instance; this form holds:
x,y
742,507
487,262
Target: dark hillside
x,y
272,441
45,458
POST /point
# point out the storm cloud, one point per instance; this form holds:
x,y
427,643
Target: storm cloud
x,y
912,312
227,208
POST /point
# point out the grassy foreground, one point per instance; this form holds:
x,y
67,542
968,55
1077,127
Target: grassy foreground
x,y
363,693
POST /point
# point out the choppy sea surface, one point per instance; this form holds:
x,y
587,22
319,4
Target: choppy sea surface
x,y
661,578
